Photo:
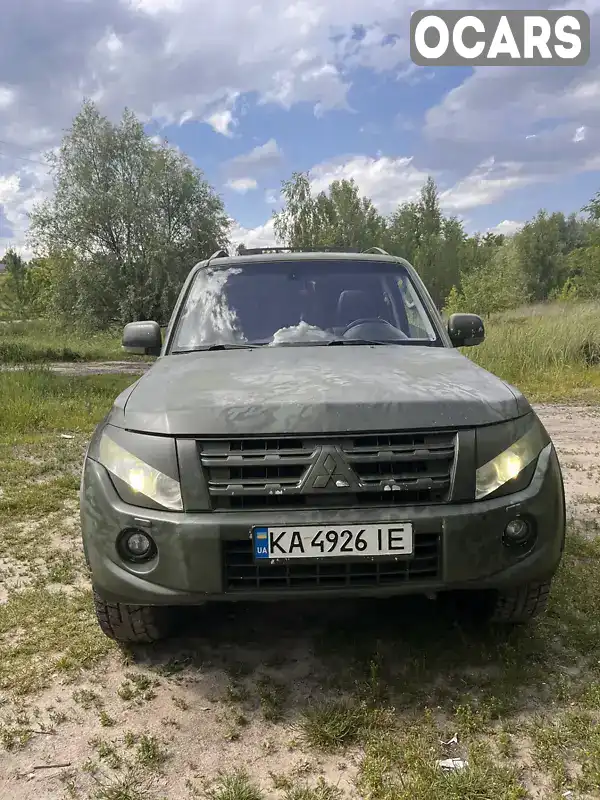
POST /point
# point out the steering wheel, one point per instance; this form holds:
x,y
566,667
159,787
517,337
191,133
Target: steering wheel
x,y
398,334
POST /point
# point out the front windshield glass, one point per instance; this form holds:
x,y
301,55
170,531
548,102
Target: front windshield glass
x,y
303,302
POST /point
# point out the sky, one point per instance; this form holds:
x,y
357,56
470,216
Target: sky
x,y
253,90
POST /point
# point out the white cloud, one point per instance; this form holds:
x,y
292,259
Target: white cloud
x,y
261,236
176,60
221,121
112,43
262,158
486,184
184,54
7,97
271,197
242,185
507,227
292,86
521,115
156,6
386,180
20,191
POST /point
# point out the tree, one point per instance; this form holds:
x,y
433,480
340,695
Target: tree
x,y
434,244
129,218
16,282
404,231
338,217
583,282
498,286
544,244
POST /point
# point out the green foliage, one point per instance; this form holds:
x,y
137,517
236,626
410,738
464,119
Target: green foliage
x,y
583,267
16,290
498,286
544,245
16,283
128,220
454,302
339,217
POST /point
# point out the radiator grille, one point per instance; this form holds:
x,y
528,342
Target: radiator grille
x,y
243,574
356,470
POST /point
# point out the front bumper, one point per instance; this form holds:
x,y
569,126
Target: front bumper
x,y
190,567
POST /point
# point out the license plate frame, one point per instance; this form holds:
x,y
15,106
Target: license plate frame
x,y
392,540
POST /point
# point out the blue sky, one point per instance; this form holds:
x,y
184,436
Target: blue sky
x,y
254,90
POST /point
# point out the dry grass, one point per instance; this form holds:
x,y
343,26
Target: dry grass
x,y
551,352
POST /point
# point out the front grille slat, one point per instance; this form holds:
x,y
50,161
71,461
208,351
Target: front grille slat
x,y
400,469
268,460
369,456
242,573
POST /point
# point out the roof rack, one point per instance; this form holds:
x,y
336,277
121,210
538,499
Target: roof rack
x,y
378,250
245,251
219,254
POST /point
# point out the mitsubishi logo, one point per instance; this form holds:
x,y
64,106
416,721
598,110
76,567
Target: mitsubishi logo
x,y
331,471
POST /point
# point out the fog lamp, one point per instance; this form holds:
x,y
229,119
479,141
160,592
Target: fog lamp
x,y
136,545
517,532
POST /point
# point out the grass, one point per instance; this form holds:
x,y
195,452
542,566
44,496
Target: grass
x,y
47,623
44,633
234,786
551,353
36,341
36,401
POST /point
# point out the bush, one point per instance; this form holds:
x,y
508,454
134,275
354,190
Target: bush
x,y
498,286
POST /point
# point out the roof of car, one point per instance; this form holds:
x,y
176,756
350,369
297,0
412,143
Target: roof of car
x,y
221,259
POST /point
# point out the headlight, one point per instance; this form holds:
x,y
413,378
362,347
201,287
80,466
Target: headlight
x,y
509,464
139,476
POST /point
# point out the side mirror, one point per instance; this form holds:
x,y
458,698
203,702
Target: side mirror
x,y
142,338
466,330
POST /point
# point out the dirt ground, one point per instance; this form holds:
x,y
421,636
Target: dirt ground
x,y
575,432
226,699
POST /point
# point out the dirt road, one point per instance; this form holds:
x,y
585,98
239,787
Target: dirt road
x,y
575,432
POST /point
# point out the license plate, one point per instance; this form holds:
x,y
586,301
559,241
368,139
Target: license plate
x,y
395,539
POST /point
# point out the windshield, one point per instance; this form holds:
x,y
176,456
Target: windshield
x,y
302,302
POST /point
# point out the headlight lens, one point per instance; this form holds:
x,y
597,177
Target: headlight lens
x,y
139,476
509,464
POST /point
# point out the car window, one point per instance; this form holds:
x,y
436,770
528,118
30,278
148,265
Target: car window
x,y
418,320
308,301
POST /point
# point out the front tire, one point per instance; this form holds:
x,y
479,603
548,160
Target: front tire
x,y
522,604
131,623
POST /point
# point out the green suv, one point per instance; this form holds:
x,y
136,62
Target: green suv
x,y
309,429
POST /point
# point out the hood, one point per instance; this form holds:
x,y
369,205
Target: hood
x,y
278,390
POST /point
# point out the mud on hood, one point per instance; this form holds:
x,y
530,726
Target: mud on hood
x,y
279,390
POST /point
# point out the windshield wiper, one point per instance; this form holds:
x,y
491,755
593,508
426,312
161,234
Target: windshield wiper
x,y
209,347
339,342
